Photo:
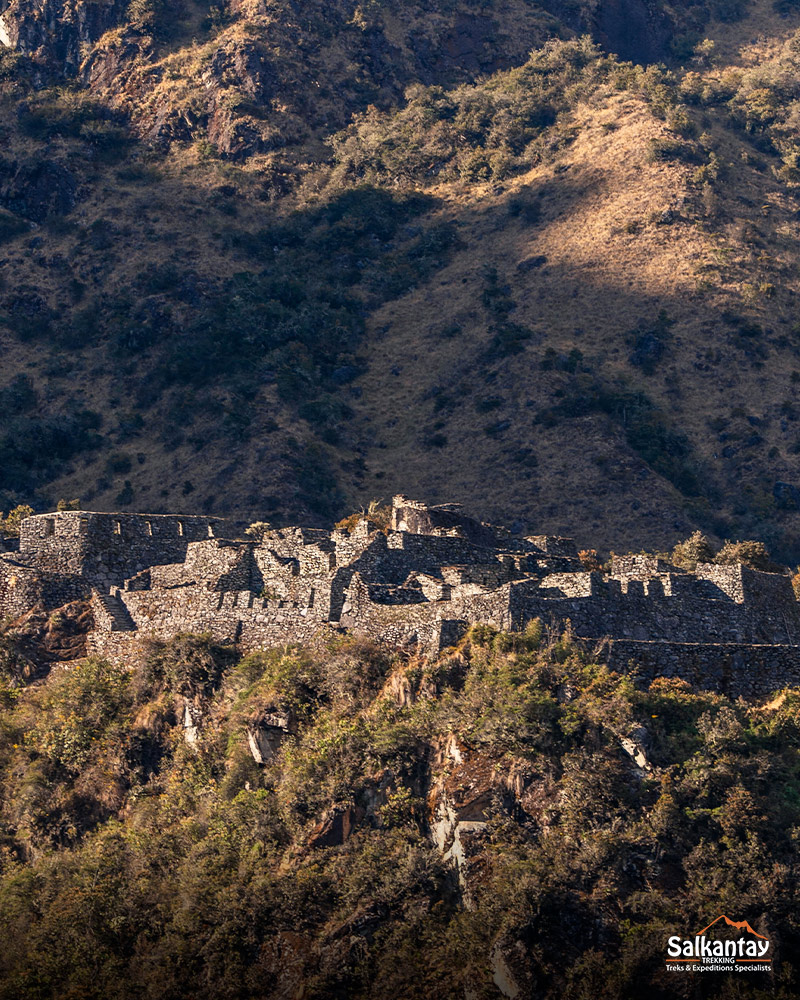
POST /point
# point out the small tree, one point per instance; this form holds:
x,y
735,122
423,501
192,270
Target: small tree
x,y
748,553
15,518
696,549
589,560
68,504
377,513
258,530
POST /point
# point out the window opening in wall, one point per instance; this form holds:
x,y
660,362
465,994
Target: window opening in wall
x,y
83,526
118,527
49,527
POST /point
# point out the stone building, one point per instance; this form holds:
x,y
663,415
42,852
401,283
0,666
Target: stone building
x,y
419,582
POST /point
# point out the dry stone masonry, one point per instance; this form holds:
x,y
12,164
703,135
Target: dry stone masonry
x,y
418,583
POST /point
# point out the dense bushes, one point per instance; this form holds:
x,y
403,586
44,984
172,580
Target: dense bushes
x,y
189,665
761,101
477,132
31,445
133,865
752,554
10,525
646,428
265,325
698,549
68,111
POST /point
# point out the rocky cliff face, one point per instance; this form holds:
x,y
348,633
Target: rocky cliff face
x,y
252,61
58,34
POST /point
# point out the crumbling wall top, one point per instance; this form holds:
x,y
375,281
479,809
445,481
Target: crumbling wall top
x,y
554,545
418,518
639,566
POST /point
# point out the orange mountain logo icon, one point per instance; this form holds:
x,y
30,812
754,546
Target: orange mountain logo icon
x,y
739,925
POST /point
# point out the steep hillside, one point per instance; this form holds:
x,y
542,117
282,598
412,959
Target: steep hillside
x,y
509,821
273,262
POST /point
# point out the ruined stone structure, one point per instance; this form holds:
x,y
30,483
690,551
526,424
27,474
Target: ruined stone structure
x,y
419,582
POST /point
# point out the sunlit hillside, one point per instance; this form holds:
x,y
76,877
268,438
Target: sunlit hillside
x,y
276,265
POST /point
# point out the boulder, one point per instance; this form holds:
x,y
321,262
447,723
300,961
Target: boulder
x,y
267,731
336,826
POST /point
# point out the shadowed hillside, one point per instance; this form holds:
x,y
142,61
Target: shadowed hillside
x,y
277,263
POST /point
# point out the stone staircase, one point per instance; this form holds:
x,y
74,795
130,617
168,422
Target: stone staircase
x,y
119,617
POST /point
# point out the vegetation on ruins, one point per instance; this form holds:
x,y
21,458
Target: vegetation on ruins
x,y
699,549
696,549
752,554
10,524
134,864
258,530
377,514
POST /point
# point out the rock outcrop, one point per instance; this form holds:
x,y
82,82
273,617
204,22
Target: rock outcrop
x,y
58,34
267,731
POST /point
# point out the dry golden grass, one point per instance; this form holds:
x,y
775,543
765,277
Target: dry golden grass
x,y
611,266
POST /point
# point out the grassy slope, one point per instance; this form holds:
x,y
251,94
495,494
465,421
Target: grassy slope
x,y
421,411
598,284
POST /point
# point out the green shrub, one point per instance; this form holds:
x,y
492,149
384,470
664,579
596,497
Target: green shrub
x,y
11,524
646,429
750,553
118,464
190,665
474,132
76,709
696,549
665,149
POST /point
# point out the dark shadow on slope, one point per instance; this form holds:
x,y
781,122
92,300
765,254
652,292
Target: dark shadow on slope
x,y
527,388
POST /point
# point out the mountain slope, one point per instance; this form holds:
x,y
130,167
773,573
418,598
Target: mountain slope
x,y
509,820
282,262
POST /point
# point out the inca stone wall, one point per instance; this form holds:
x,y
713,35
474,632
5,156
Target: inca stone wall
x,y
736,669
106,548
418,583
22,586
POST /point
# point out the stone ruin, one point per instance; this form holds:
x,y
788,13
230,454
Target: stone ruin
x,y
418,583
